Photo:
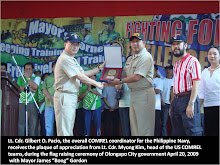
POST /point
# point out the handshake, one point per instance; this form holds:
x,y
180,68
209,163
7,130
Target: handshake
x,y
102,85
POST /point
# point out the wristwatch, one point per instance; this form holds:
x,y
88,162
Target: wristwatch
x,y
191,102
120,81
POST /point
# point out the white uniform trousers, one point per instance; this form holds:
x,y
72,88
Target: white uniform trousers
x,y
65,112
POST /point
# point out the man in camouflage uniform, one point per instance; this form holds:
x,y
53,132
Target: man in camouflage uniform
x,y
111,33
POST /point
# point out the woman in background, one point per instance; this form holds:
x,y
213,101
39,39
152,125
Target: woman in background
x,y
209,93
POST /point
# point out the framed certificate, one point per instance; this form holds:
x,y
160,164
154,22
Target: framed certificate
x,y
113,64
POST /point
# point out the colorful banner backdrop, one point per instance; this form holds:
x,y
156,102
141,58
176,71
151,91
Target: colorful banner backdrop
x,y
41,41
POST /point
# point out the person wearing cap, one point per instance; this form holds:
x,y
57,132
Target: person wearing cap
x,y
185,106
38,72
68,74
165,101
138,74
86,37
111,33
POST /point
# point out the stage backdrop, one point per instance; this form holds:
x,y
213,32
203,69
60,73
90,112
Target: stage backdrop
x,y
41,41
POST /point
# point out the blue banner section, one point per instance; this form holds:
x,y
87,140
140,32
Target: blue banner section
x,y
41,41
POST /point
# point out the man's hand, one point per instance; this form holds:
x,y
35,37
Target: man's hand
x,y
51,99
170,112
111,109
102,66
162,102
27,75
88,87
32,90
114,82
101,32
190,111
100,85
106,42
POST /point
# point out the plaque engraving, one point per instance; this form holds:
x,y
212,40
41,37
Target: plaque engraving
x,y
112,72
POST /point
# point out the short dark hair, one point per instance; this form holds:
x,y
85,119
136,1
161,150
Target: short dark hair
x,y
3,64
85,29
29,63
43,76
156,67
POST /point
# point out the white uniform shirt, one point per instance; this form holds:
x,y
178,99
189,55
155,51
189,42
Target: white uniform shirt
x,y
65,71
141,64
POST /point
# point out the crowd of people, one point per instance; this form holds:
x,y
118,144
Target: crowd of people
x,y
70,100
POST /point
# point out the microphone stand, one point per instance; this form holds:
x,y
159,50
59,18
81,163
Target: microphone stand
x,y
26,89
